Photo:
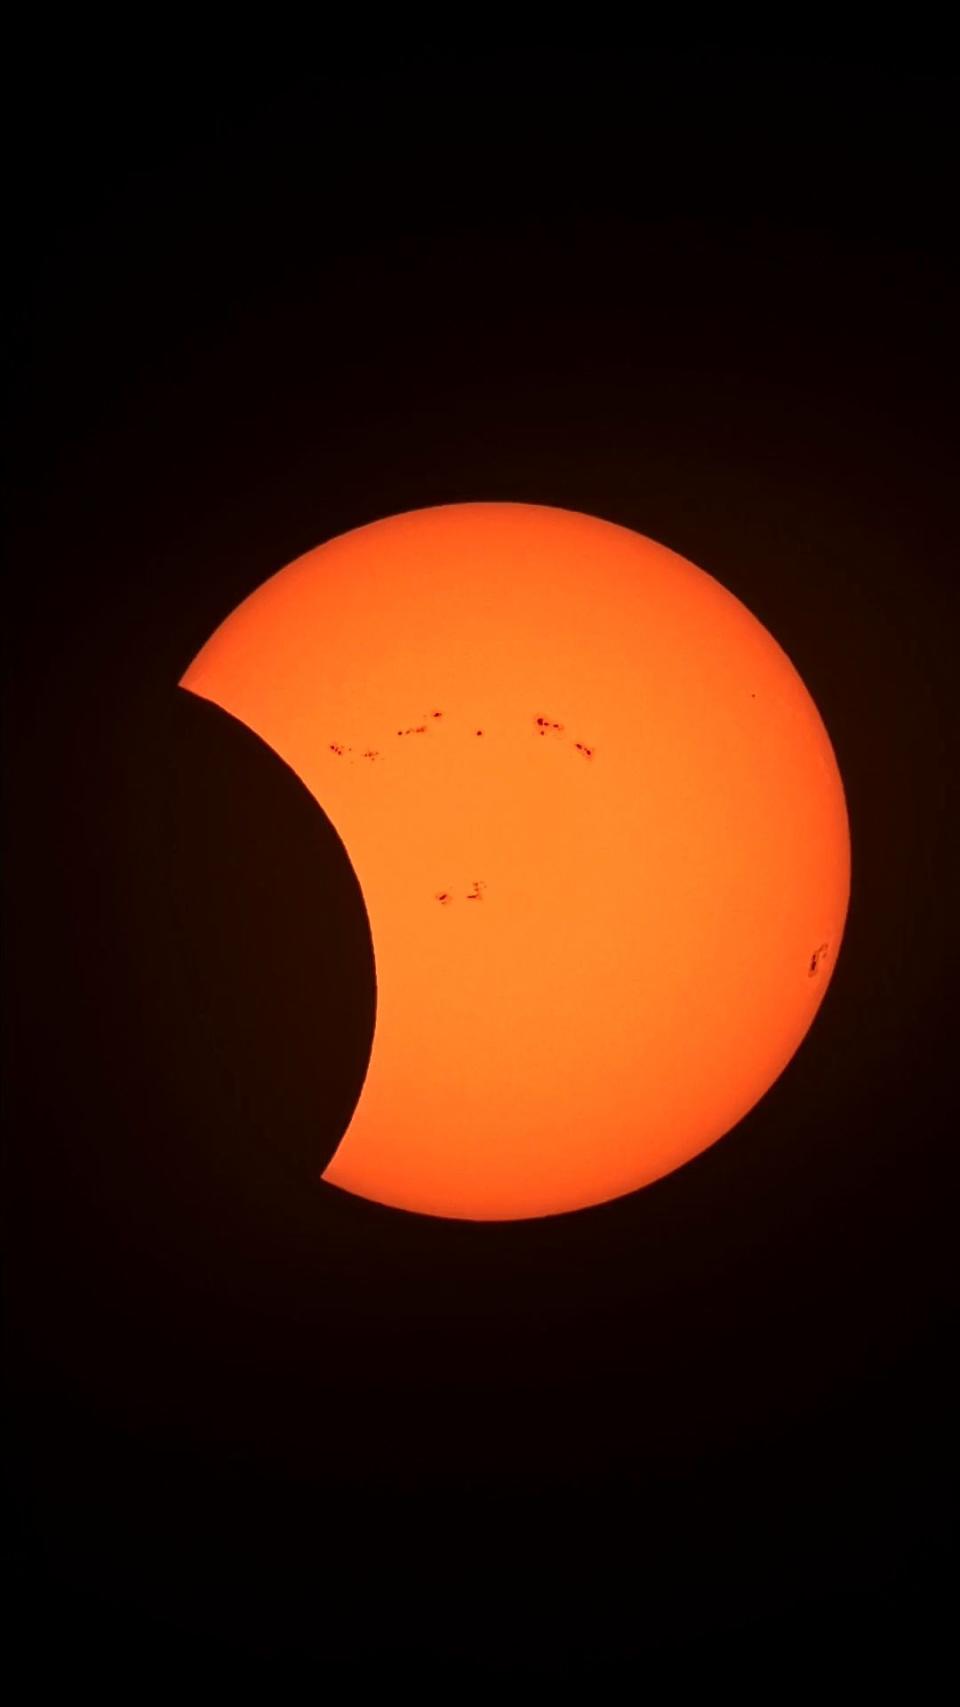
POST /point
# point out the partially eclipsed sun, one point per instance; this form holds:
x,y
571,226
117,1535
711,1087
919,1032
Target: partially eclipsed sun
x,y
599,830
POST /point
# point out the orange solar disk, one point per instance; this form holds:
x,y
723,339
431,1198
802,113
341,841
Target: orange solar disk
x,y
598,826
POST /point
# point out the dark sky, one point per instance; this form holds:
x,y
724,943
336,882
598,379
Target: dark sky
x,y
256,1423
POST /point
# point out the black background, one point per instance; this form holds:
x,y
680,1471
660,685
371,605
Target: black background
x,y
256,1422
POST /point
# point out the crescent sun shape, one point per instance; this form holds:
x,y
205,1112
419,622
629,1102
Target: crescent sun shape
x,y
599,830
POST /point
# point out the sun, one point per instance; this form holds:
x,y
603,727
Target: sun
x,y
599,829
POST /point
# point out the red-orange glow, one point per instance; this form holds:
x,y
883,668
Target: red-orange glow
x,y
600,833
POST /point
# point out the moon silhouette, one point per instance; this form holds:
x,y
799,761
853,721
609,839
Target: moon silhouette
x,y
598,826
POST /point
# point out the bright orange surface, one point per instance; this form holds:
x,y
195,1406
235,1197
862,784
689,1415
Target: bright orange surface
x,y
598,826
